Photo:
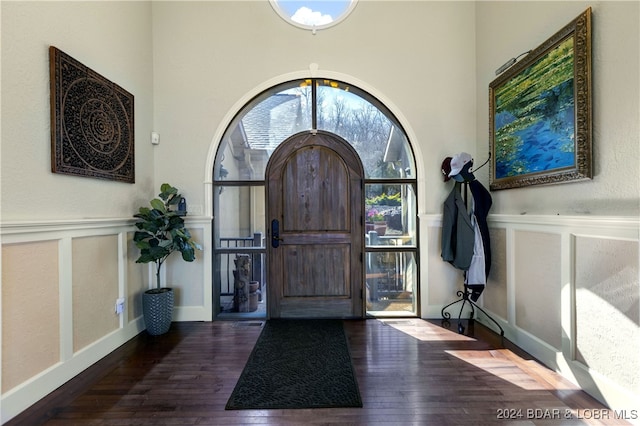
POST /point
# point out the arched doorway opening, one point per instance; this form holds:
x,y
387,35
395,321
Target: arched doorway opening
x,y
388,216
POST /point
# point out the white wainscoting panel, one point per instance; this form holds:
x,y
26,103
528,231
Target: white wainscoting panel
x,y
566,289
74,246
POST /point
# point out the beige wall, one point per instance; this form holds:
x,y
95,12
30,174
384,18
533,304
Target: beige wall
x,y
506,29
495,293
416,56
137,280
608,314
192,65
54,325
113,39
539,283
95,284
30,310
556,237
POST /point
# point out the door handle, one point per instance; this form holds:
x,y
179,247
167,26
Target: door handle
x,y
275,233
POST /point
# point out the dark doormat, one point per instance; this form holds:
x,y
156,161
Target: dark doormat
x,y
298,364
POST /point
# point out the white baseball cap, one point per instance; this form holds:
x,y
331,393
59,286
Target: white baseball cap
x,y
458,162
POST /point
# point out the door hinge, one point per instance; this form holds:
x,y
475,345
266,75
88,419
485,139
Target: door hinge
x,y
361,257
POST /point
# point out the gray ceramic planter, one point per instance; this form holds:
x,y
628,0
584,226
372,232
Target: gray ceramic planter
x,y
157,308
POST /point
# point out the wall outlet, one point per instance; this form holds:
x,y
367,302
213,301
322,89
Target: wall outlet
x,y
120,306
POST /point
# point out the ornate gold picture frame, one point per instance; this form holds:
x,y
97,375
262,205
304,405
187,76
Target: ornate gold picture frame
x,y
540,129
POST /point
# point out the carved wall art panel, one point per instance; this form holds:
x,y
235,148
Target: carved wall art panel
x,y
92,126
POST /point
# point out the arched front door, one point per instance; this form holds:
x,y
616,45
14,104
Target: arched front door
x,y
315,237
291,113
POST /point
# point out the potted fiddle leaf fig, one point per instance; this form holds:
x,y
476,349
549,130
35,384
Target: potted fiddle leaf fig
x,y
160,232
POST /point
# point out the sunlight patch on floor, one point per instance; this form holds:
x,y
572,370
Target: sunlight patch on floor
x,y
424,331
497,363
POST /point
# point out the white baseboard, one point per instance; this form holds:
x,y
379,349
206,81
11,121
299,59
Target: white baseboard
x,y
31,391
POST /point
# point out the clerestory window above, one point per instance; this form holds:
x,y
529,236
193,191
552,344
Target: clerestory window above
x,y
313,14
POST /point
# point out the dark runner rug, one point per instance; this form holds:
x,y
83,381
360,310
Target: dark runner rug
x,y
298,364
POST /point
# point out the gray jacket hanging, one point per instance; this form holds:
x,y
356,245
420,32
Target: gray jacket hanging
x,y
457,231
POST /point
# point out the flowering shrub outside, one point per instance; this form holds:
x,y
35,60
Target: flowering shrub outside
x,y
374,215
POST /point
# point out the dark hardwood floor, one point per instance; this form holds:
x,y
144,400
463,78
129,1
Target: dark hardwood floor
x,y
410,372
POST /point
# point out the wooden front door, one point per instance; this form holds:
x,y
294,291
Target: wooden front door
x,y
316,236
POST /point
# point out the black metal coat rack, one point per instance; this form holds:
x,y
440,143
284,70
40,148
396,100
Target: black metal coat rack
x,y
465,295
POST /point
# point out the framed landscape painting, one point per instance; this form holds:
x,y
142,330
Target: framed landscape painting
x,y
540,113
